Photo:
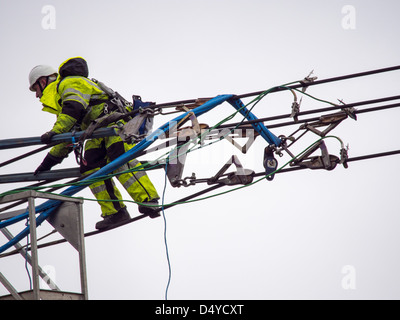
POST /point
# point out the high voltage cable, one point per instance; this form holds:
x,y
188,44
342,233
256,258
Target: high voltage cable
x,y
212,188
261,94
328,80
147,167
271,118
220,125
331,108
302,84
163,207
282,124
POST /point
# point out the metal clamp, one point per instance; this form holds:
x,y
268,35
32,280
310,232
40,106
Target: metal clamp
x,y
270,163
307,80
241,176
295,111
324,161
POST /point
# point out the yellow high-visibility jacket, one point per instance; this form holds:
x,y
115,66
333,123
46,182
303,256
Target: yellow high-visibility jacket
x,y
74,99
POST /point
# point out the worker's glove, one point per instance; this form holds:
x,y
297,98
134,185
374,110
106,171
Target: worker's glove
x,y
48,163
46,138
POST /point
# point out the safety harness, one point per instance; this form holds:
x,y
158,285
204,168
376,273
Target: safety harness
x,y
133,120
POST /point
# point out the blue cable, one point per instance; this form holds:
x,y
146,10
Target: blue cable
x,y
51,205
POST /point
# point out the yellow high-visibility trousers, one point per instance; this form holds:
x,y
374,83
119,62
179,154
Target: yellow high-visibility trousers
x,y
99,152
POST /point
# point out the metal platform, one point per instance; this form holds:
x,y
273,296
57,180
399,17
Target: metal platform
x,y
68,221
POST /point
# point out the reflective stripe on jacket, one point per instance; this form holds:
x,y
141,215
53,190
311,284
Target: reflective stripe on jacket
x,y
71,98
76,94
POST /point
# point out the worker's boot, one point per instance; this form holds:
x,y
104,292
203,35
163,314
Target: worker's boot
x,y
151,211
113,219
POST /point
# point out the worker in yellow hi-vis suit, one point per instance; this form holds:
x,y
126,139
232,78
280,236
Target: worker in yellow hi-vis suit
x,y
77,101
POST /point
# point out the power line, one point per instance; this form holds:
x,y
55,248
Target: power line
x,y
202,192
331,108
323,81
303,83
48,207
74,172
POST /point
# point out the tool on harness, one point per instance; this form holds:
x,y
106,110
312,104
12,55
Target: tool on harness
x,y
138,116
101,122
78,151
114,97
77,147
141,124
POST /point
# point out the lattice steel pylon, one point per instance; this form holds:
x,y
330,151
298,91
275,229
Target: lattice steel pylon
x,y
68,221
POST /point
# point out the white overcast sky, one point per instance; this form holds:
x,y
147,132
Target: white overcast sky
x,y
296,237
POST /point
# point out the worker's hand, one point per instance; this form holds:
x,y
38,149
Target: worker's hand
x,y
46,138
48,163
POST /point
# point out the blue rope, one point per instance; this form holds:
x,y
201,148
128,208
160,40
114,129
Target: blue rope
x,y
165,233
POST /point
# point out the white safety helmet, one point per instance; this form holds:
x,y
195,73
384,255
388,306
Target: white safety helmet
x,y
38,72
